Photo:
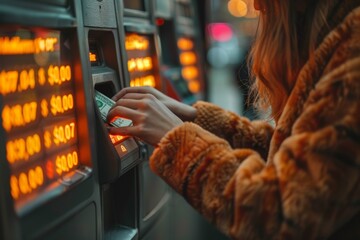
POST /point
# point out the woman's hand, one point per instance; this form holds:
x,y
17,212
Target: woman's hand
x,y
183,111
151,118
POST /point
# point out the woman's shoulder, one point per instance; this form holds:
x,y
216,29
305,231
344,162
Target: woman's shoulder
x,y
344,44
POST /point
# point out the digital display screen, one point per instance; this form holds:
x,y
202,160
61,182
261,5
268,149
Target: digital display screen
x,y
142,61
38,109
189,62
94,55
134,4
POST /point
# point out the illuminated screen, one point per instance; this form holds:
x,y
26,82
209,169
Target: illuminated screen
x,y
94,55
142,60
38,110
189,63
134,4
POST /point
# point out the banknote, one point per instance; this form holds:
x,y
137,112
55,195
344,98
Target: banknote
x,y
104,104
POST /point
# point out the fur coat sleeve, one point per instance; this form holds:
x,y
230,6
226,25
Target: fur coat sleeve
x,y
238,131
309,185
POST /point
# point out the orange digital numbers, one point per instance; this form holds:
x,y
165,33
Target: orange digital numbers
x,y
57,104
140,64
66,162
18,81
13,81
27,80
27,181
21,149
143,81
61,103
8,82
18,115
136,42
63,134
58,75
59,134
37,110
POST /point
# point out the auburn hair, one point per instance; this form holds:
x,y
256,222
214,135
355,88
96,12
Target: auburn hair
x,y
285,40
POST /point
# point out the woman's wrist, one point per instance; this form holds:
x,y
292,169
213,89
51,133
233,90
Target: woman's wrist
x,y
189,114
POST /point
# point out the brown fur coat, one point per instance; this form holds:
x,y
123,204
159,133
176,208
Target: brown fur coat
x,y
309,185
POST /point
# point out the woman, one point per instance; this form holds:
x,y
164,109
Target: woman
x,y
299,180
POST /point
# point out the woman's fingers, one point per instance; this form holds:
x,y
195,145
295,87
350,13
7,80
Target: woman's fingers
x,y
129,90
151,118
123,131
124,112
128,103
137,96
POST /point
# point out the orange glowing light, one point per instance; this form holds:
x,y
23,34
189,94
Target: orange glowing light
x,y
44,108
140,64
8,82
116,138
38,110
185,44
60,134
64,133
66,162
18,115
136,42
16,45
189,72
187,58
41,76
49,167
27,181
147,62
27,80
123,148
59,74
143,81
92,57
194,86
18,81
47,139
237,8
61,103
21,149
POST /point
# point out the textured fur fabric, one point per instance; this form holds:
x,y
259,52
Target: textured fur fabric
x,y
300,180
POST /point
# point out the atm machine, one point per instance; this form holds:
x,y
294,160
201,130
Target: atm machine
x,y
118,156
48,173
62,175
181,45
141,53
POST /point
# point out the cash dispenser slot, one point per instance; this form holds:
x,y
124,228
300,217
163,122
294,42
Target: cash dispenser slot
x,y
118,156
106,80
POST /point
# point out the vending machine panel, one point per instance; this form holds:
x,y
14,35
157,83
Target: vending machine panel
x,y
40,114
